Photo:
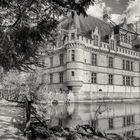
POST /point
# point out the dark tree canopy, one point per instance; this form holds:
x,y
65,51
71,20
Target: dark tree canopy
x,y
26,24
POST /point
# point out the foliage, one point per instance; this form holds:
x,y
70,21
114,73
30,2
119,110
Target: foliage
x,y
11,80
26,24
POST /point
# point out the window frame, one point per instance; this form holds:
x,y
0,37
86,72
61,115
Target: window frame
x,y
72,36
72,55
94,78
51,78
72,73
61,57
110,79
110,62
112,44
51,61
61,78
96,40
94,59
111,123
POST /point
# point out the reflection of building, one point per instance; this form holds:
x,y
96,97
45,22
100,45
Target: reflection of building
x,y
92,55
119,118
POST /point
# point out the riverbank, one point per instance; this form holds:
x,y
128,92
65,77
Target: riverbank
x,y
80,132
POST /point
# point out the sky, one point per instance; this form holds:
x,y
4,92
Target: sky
x,y
117,10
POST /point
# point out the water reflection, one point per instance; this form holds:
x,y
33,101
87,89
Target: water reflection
x,y
120,118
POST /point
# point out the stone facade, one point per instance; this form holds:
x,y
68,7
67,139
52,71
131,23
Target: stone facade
x,y
93,68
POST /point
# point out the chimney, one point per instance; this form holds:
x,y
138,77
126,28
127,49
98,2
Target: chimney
x,y
105,15
105,18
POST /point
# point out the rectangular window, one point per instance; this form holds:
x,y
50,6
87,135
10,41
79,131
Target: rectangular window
x,y
78,37
127,65
61,77
124,83
90,41
123,64
132,119
72,36
131,66
93,78
42,62
94,123
94,59
129,39
121,37
127,80
124,121
128,134
110,62
125,38
61,59
112,44
128,120
51,78
132,81
111,123
110,79
73,55
51,61
95,38
72,73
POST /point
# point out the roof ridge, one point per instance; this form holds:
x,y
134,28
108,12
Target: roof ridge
x,y
87,24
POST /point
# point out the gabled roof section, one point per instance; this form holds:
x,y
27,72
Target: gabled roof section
x,y
129,27
86,25
136,43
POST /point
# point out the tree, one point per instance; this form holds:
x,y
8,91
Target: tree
x,y
26,24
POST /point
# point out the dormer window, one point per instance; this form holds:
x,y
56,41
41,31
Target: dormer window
x,y
112,44
96,39
129,39
121,37
72,36
125,38
77,36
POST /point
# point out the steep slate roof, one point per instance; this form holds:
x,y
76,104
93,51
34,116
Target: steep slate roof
x,y
136,43
85,25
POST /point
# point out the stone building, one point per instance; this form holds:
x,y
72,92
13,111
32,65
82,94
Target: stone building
x,y
94,59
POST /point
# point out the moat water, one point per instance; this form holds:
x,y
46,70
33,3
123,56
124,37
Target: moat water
x,y
120,118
